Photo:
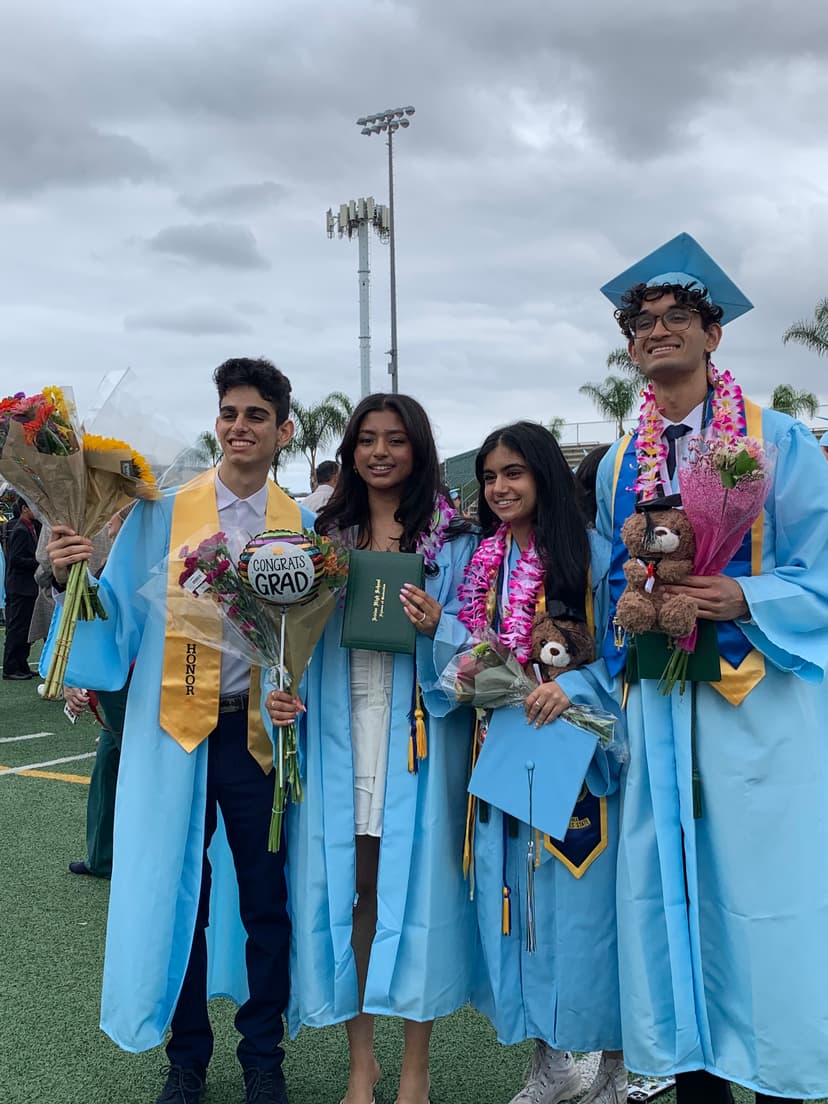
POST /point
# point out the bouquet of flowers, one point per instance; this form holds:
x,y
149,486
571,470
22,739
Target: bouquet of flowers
x,y
278,638
68,478
486,674
724,484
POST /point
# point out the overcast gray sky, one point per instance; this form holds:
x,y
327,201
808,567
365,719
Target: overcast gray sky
x,y
165,169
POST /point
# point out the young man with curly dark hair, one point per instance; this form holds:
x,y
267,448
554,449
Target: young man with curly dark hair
x,y
723,854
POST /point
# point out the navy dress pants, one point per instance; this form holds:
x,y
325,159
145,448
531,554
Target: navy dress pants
x,y
19,610
237,785
701,1087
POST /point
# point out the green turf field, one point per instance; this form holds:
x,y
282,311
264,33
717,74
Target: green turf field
x,y
53,925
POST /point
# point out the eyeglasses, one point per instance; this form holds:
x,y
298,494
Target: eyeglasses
x,y
674,320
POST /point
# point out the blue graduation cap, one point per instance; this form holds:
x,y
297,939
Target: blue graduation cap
x,y
559,753
682,261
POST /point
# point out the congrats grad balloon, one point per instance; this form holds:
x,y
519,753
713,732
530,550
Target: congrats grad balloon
x,y
282,567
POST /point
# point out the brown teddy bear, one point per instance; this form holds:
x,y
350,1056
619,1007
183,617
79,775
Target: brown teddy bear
x,y
661,544
560,644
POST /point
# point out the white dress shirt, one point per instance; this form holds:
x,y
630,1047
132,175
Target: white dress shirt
x,y
694,420
240,519
319,497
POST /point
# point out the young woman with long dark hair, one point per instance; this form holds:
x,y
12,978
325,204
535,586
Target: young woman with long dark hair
x,y
537,554
382,922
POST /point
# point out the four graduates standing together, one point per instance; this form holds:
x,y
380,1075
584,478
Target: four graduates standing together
x,y
698,942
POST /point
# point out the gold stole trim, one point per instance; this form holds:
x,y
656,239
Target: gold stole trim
x,y
581,869
737,682
191,671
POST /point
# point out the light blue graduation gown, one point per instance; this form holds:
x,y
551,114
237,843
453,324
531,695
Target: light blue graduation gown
x,y
159,809
566,992
425,959
723,921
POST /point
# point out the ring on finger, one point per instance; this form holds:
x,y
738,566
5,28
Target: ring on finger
x,y
422,617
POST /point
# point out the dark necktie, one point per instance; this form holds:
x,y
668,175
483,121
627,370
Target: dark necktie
x,y
672,433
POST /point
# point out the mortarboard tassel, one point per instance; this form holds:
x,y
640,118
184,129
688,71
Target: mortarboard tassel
x,y
506,921
506,926
419,724
531,930
471,808
414,721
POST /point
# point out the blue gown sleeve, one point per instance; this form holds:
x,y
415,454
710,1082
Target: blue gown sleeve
x,y
103,651
593,685
433,655
789,601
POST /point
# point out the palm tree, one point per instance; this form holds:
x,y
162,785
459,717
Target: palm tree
x,y
317,425
208,447
812,333
555,426
615,399
620,358
793,402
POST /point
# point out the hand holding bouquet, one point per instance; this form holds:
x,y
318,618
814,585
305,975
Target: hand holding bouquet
x,y
68,478
276,635
487,675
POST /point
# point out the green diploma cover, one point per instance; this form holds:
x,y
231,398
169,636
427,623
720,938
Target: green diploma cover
x,y
374,616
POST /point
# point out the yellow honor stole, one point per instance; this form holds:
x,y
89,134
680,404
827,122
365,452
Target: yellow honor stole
x,y
192,672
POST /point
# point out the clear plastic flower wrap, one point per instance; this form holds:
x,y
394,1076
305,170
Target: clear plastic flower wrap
x,y
487,675
212,603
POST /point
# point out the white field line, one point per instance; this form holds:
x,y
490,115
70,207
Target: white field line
x,y
50,763
31,736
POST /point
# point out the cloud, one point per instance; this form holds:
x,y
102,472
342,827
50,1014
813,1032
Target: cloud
x,y
225,244
194,320
236,197
44,147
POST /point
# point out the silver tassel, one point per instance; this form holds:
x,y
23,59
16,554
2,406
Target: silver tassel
x,y
531,931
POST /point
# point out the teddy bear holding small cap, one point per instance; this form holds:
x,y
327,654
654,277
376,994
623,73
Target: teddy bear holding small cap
x,y
661,544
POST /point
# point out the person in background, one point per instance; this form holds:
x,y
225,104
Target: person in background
x,y
327,474
109,708
823,442
21,592
585,476
2,586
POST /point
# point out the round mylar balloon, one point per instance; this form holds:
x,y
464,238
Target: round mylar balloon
x,y
282,567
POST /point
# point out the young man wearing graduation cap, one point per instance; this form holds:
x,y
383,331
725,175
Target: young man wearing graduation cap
x,y
722,917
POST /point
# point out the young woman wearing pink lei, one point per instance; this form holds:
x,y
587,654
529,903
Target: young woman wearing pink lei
x,y
537,549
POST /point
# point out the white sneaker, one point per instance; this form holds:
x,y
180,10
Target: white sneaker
x,y
610,1084
553,1077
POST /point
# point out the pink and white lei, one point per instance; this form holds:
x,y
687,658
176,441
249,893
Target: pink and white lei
x,y
727,423
478,594
430,542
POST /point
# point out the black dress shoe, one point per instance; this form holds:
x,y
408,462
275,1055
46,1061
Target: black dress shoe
x,y
183,1086
80,868
264,1086
19,676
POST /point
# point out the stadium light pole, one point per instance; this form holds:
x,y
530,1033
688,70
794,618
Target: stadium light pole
x,y
355,217
388,122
